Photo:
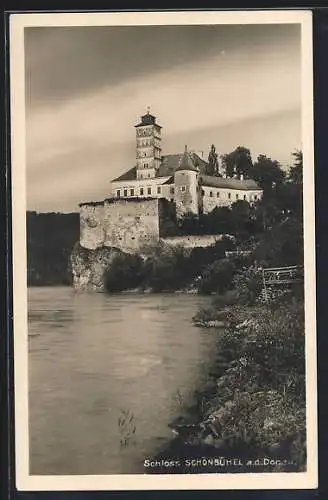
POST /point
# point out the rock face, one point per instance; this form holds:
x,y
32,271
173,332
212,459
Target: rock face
x,y
89,266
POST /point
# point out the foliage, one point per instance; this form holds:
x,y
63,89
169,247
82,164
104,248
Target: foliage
x,y
267,173
50,240
213,164
217,277
260,396
295,174
237,162
248,282
126,271
282,245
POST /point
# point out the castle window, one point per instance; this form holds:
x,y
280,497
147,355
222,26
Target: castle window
x,y
211,194
229,196
203,192
145,165
125,192
183,188
218,194
118,193
141,191
158,189
149,190
172,190
237,196
131,192
255,197
244,197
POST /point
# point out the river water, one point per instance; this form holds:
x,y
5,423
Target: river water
x,y
95,360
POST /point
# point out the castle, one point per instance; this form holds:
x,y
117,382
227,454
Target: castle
x,y
140,199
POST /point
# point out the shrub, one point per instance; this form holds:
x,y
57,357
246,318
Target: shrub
x,y
125,272
217,277
259,401
248,281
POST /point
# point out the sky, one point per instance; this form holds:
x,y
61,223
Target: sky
x,y
86,88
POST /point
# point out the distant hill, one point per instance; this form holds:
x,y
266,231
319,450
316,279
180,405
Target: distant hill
x,y
50,239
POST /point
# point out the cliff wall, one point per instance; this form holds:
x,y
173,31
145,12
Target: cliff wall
x,y
89,267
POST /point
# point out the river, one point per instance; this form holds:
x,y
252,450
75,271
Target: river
x,y
96,359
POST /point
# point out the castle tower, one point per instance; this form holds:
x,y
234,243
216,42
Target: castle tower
x,y
148,146
186,187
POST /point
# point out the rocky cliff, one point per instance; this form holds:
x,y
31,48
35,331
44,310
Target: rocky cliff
x,y
89,266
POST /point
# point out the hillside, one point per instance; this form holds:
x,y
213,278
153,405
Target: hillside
x,y
50,239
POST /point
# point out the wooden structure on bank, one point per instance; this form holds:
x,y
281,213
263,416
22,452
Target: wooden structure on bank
x,y
238,253
281,276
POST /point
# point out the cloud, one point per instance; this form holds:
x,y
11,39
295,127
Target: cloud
x,y
77,144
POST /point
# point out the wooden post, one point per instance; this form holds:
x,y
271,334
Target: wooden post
x,y
264,286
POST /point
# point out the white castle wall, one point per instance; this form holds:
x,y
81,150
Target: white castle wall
x,y
125,224
199,241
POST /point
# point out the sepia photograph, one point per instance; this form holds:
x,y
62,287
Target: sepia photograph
x,y
163,250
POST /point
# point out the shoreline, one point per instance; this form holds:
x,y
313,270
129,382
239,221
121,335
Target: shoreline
x,y
200,443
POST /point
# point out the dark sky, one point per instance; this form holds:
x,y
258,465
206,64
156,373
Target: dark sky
x,y
86,87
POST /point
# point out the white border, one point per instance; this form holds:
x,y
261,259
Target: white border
x,y
24,481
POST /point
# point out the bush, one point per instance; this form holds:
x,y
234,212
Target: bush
x,y
259,401
248,281
217,277
126,272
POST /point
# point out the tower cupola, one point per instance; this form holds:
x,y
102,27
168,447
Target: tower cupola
x,y
148,146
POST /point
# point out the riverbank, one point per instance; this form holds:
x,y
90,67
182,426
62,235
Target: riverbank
x,y
251,415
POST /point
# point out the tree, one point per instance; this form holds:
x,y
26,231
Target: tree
x,y
217,277
267,173
213,164
237,162
126,271
295,174
240,217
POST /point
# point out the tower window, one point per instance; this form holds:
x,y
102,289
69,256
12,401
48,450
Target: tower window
x,y
125,192
141,191
229,196
149,190
131,192
118,193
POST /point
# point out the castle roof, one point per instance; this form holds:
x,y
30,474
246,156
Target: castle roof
x,y
148,119
170,163
168,166
186,162
129,175
229,183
